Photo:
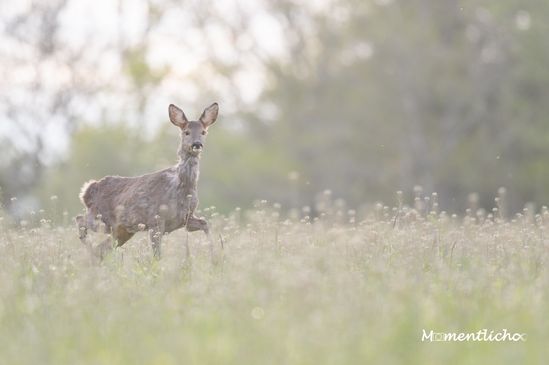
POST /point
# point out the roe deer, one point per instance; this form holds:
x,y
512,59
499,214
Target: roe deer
x,y
160,202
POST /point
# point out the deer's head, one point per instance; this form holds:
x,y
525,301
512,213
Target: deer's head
x,y
193,133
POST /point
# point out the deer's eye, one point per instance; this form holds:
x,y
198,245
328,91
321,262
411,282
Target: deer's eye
x,y
203,133
187,133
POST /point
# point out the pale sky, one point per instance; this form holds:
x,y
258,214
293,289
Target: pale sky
x,y
93,26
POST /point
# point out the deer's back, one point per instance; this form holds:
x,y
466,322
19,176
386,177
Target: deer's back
x,y
152,199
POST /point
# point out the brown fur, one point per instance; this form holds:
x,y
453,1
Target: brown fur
x,y
88,189
160,202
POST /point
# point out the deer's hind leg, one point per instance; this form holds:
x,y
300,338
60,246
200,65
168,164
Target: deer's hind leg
x,y
83,225
82,228
86,222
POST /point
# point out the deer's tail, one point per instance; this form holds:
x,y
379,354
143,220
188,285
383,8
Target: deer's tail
x,y
88,191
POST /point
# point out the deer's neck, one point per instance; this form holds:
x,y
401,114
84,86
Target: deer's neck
x,y
187,171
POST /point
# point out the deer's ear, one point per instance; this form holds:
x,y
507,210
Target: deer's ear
x,y
209,115
177,117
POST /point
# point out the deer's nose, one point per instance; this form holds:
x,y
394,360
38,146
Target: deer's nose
x,y
197,146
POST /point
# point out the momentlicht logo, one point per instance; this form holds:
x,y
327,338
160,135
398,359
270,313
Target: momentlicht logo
x,y
483,335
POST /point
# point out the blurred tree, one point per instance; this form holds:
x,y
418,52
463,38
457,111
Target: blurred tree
x,y
36,32
363,97
51,80
112,149
384,95
234,168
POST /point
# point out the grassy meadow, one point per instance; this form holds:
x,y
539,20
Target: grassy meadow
x,y
343,288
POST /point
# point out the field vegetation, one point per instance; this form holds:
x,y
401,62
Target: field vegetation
x,y
344,287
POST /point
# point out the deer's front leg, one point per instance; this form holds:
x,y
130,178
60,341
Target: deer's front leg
x,y
197,224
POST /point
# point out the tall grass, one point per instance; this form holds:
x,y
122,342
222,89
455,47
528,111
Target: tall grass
x,y
341,288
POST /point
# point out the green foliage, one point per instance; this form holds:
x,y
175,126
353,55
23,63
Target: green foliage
x,y
94,153
445,94
370,97
235,169
139,70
